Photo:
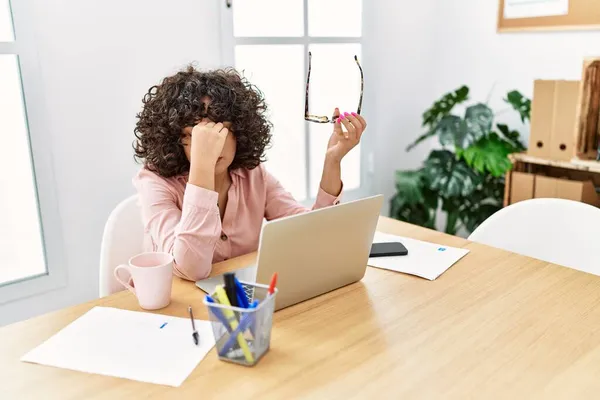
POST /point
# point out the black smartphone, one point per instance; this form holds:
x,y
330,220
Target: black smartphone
x,y
388,249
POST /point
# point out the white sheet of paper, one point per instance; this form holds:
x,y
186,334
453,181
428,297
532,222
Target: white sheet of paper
x,y
534,8
127,344
424,259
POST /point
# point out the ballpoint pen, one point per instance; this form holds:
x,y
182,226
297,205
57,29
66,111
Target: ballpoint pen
x,y
195,332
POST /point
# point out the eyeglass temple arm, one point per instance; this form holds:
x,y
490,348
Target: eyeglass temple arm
x,y
362,85
307,85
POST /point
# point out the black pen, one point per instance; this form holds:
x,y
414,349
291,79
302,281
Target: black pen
x,y
195,333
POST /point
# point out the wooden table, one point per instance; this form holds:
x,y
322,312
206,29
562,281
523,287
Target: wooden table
x,y
496,325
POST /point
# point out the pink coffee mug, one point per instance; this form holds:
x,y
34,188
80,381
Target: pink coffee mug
x,y
152,276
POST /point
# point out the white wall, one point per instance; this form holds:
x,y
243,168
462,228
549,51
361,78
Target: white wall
x,y
398,56
470,51
441,45
96,65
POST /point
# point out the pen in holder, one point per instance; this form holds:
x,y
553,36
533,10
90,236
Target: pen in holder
x,y
243,335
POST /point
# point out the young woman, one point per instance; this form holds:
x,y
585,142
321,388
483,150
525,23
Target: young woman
x,y
203,190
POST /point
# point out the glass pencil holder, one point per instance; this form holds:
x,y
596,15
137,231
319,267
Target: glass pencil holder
x,y
243,335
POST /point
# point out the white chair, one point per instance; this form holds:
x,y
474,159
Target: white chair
x,y
559,231
123,238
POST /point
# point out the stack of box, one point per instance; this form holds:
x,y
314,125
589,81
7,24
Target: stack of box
x,y
565,124
525,186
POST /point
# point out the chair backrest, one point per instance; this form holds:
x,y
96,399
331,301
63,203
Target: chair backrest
x,y
559,231
123,238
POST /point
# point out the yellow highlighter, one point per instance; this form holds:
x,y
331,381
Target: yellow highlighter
x,y
223,299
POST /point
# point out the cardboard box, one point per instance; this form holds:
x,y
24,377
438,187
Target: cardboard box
x,y
542,118
521,186
556,188
564,133
554,119
525,186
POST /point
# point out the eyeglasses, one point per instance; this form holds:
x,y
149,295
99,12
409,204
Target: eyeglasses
x,y
327,120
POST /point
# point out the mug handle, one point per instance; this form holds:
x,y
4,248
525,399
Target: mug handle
x,y
124,283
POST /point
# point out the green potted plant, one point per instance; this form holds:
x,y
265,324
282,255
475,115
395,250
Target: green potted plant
x,y
466,176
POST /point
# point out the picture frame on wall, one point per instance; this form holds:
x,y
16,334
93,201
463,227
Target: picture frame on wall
x,y
548,15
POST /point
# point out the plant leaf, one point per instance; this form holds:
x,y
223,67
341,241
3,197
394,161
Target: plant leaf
x,y
452,222
449,176
440,109
514,137
489,155
414,201
451,130
430,196
452,208
493,187
520,103
409,187
444,106
482,203
474,216
479,120
418,214
461,133
451,204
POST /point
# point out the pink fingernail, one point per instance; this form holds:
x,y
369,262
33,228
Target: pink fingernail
x,y
341,117
339,120
346,114
355,114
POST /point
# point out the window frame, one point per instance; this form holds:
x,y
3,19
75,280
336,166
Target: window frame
x,y
40,144
228,43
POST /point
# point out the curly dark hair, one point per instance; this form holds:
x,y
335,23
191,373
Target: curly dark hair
x,y
176,104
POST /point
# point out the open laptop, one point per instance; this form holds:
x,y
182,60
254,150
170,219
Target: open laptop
x,y
312,253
